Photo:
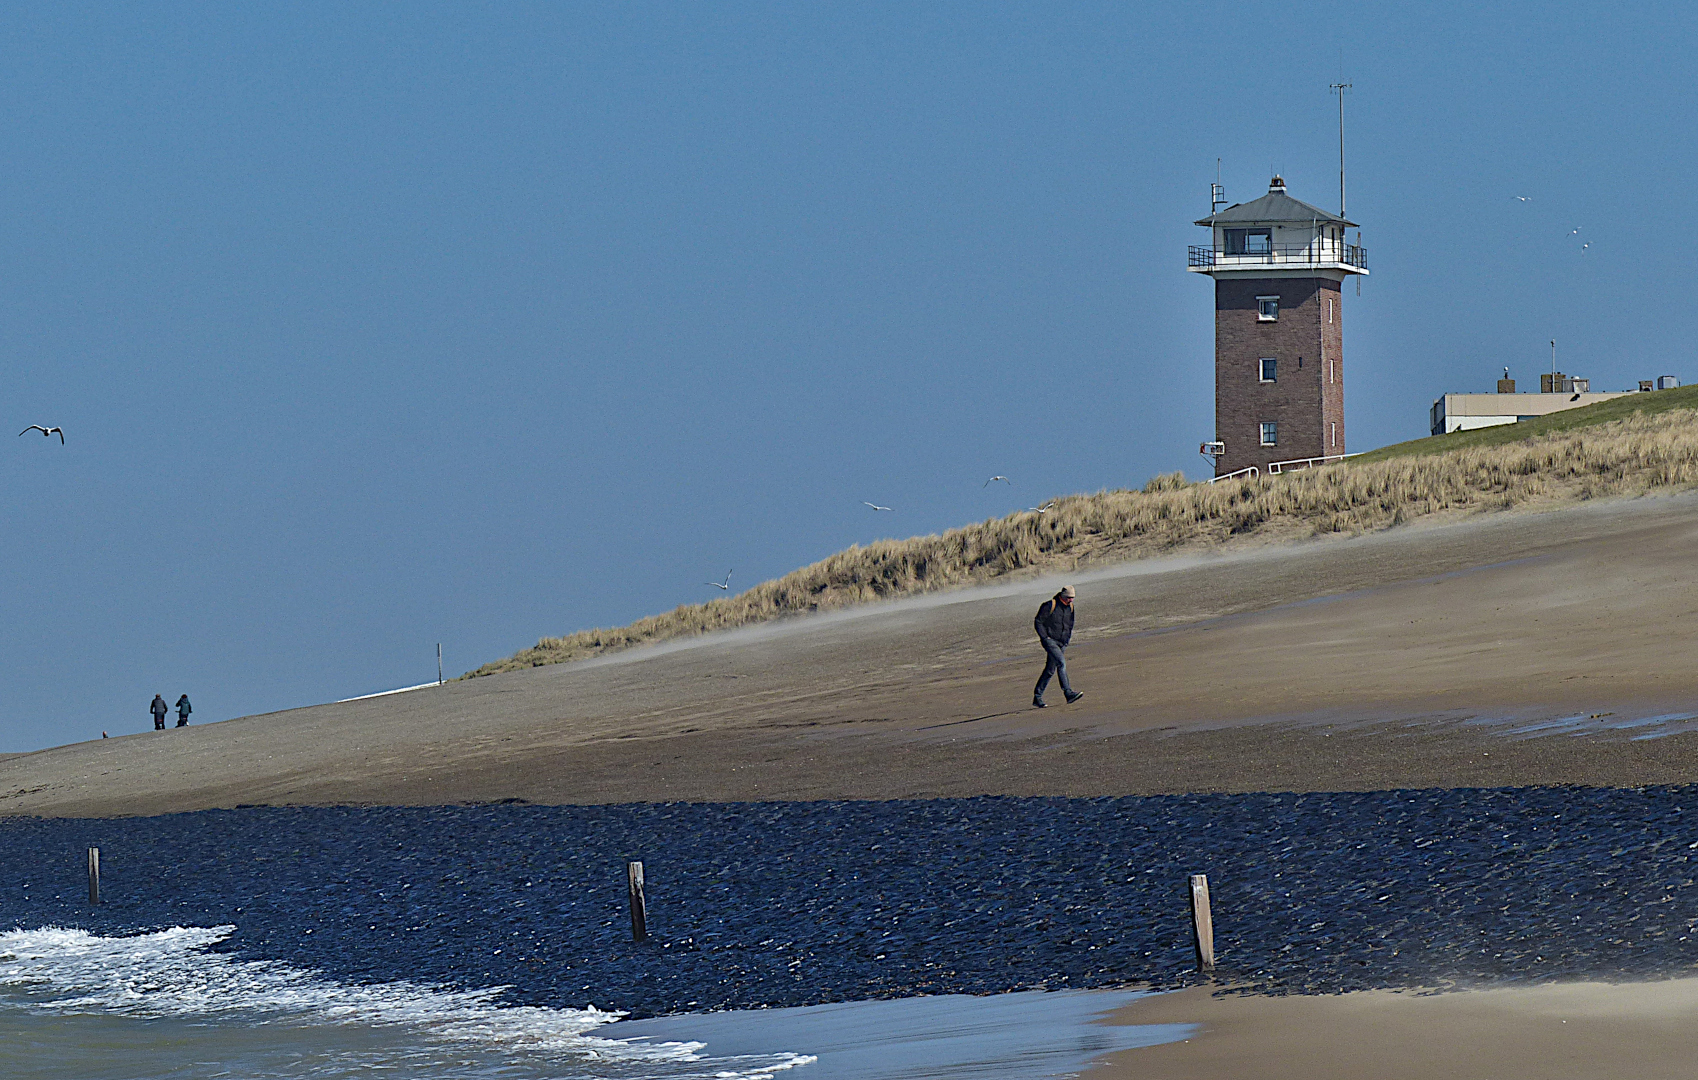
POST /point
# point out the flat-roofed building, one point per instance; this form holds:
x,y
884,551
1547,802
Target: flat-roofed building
x,y
1464,412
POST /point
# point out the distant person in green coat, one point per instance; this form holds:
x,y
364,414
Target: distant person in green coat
x,y
183,711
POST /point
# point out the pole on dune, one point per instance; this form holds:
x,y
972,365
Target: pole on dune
x,y
439,663
94,875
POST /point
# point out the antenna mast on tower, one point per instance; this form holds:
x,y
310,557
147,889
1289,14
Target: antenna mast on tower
x,y
1339,88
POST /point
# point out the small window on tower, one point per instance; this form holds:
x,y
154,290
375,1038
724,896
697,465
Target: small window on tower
x,y
1267,308
1270,434
1270,369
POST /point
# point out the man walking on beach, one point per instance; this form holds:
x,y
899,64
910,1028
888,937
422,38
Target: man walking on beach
x,y
158,709
1055,629
183,711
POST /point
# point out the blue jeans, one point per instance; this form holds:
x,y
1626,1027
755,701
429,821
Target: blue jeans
x,y
1055,665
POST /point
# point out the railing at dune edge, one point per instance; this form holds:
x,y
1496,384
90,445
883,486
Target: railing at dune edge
x,y
1306,463
1248,470
1285,466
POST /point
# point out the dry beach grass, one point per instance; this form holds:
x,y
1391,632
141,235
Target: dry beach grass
x,y
1626,446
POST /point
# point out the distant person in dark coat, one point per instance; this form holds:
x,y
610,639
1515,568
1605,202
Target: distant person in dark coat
x,y
1055,629
158,709
183,711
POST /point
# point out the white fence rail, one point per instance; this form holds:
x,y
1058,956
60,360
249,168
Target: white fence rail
x,y
1305,463
1248,470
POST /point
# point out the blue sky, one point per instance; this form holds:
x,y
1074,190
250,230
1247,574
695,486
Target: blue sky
x,y
374,326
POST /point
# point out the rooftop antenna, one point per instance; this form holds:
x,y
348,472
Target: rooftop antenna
x,y
1217,193
1339,88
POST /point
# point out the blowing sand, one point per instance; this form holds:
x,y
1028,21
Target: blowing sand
x,y
1583,1031
1404,658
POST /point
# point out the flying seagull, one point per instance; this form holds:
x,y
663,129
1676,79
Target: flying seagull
x,y
1044,509
994,479
1571,232
1523,198
717,585
47,432
1583,247
876,506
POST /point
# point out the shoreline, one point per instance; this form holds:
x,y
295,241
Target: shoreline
x,y
1555,1031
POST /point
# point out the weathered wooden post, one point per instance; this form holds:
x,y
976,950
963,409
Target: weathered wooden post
x,y
94,875
639,907
1202,922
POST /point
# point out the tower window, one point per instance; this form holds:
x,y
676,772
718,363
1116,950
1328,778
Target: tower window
x,y
1267,308
1270,369
1248,241
1270,433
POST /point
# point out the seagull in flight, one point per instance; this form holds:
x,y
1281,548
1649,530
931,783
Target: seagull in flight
x,y
47,432
717,585
1523,198
1044,509
1571,232
1586,245
876,506
994,479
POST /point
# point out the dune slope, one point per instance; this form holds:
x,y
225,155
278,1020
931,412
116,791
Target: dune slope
x,y
1411,657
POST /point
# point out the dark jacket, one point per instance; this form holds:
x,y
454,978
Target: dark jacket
x,y
158,708
1055,622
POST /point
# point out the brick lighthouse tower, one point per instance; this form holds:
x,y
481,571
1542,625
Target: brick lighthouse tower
x,y
1279,266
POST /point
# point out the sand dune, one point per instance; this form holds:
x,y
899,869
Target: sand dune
x,y
1402,658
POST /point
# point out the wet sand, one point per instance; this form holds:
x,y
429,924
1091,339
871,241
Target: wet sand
x,y
1574,1031
1402,659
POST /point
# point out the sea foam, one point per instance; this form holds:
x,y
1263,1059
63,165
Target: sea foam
x,y
173,974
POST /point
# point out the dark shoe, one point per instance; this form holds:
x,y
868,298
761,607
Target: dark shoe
x,y
1071,698
1038,703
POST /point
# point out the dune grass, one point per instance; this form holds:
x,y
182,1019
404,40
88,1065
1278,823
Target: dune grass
x,y
1625,446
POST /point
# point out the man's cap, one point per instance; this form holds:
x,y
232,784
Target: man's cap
x,y
1067,591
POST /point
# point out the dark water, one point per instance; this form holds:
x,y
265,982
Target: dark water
x,y
785,904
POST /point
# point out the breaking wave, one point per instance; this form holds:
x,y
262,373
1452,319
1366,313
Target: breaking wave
x,y
174,975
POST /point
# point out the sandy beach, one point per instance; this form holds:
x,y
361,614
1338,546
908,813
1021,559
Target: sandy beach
x,y
1400,659
1527,648
1575,1031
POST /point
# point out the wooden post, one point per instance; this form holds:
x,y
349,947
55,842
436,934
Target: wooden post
x,y
1202,922
639,907
94,875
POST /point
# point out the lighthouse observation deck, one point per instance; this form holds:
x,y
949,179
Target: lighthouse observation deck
x,y
1320,253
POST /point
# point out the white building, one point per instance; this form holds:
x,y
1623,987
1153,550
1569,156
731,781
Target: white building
x,y
1465,412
